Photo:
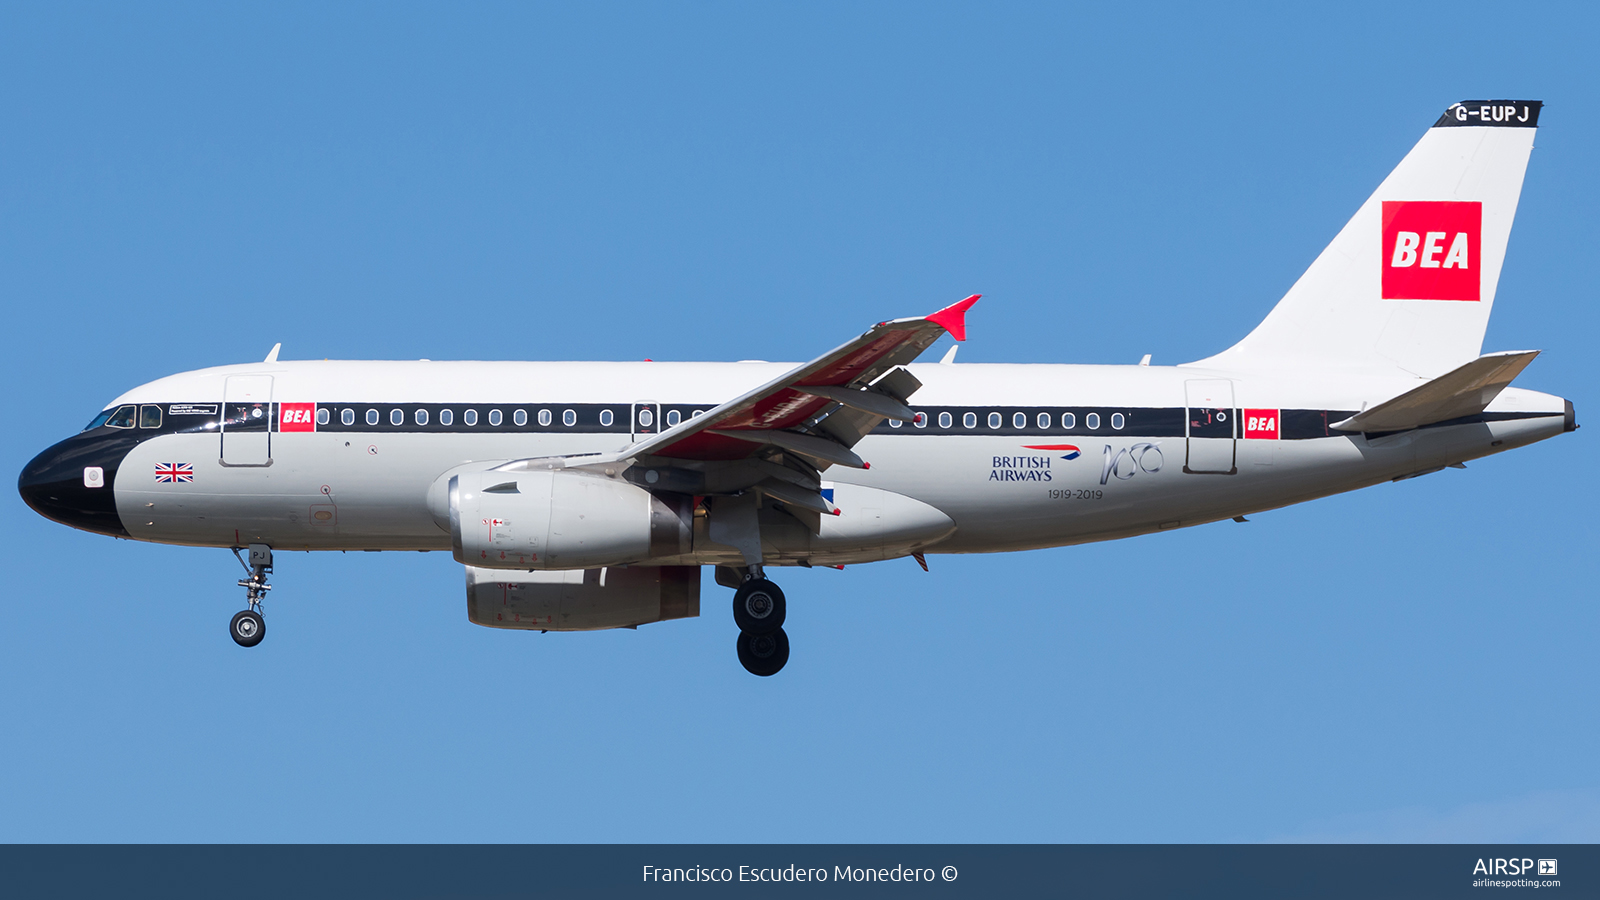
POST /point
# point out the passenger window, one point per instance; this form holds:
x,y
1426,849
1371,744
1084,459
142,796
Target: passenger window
x,y
895,423
122,418
1068,420
348,417
970,420
605,417
646,418
323,417
696,414
1044,420
372,417
470,417
544,417
1019,420
673,418
1117,421
446,417
946,420
520,417
495,418
1092,420
994,420
149,417
569,418
920,420
397,417
421,417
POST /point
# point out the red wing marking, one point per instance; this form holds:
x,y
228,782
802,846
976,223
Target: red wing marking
x,y
953,318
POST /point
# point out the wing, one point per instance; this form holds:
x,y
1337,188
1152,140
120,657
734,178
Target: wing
x,y
857,379
812,415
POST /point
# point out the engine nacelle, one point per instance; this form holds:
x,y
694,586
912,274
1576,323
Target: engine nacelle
x,y
555,519
582,599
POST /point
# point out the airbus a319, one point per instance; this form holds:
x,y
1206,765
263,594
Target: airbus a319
x,y
589,495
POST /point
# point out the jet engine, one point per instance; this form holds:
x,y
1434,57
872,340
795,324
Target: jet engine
x,y
555,519
582,599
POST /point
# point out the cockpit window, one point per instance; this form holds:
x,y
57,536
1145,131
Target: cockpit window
x,y
149,417
123,417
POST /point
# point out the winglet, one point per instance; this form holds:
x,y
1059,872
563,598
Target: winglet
x,y
953,318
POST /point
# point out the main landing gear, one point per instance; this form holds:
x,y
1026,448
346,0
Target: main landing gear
x,y
248,627
758,610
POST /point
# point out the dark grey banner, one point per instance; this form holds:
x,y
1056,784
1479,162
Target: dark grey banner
x,y
802,870
1494,113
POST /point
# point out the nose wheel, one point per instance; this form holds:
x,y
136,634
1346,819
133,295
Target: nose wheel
x,y
759,611
248,627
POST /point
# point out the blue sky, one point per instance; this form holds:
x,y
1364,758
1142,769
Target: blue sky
x,y
183,186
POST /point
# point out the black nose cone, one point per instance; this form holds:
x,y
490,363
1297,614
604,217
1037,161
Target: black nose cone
x,y
60,483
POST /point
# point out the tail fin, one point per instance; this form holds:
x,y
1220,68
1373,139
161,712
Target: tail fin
x,y
1410,280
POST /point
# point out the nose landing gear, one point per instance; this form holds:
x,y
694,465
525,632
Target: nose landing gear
x,y
248,627
759,610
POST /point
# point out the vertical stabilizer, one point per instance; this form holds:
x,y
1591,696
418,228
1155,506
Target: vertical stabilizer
x,y
1410,280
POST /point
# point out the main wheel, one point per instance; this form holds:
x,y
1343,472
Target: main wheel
x,y
758,607
763,654
248,628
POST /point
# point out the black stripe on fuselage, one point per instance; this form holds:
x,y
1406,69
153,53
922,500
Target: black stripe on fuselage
x,y
619,418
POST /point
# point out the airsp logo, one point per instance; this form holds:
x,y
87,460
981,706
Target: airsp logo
x,y
1431,250
1512,867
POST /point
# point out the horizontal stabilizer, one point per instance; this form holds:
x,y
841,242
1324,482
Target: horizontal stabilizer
x,y
1465,391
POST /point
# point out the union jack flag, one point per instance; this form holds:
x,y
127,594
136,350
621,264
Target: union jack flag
x,y
170,473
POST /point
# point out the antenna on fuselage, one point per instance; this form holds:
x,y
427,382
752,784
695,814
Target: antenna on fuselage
x,y
272,355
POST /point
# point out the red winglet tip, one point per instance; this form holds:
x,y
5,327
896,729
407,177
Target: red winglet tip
x,y
953,318
866,465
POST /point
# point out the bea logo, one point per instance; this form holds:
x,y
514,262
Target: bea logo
x,y
1261,424
1431,250
297,417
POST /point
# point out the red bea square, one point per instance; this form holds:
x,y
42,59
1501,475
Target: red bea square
x,y
297,417
1431,250
1261,424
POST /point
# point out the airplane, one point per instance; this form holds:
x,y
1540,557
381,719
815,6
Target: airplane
x,y
589,495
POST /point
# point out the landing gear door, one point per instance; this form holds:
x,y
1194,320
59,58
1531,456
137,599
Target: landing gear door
x,y
247,420
646,419
1212,427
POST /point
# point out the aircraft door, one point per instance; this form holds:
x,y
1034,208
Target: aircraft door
x,y
647,419
1212,427
247,420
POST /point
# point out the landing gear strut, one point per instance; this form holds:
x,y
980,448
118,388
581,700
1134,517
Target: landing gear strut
x,y
759,611
248,627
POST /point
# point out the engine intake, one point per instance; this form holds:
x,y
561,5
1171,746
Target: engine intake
x,y
563,520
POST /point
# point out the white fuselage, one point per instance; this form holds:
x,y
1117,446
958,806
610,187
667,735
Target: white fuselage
x,y
1128,452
